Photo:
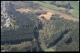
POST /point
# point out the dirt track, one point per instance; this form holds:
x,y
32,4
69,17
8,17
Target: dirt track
x,y
49,13
63,15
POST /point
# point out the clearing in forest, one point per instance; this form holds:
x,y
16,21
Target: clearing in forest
x,y
61,15
47,16
23,10
49,13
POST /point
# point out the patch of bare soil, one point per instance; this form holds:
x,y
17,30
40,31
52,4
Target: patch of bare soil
x,y
47,16
49,13
23,10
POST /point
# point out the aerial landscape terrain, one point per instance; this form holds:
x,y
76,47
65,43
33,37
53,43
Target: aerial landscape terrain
x,y
39,26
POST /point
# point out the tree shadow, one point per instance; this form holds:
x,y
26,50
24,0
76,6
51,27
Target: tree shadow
x,y
58,39
69,41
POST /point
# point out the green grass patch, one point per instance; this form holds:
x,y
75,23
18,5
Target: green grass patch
x,y
74,4
47,2
61,8
74,13
49,50
62,3
47,5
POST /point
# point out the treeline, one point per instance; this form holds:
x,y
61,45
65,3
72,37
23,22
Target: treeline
x,y
26,46
25,4
66,5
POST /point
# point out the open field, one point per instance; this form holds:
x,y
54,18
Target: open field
x,y
61,8
75,13
23,10
47,5
47,16
62,15
74,4
50,12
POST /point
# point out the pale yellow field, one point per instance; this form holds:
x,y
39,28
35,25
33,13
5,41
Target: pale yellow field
x,y
47,16
23,10
49,13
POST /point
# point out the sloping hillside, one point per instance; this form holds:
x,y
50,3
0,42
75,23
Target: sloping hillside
x,y
39,26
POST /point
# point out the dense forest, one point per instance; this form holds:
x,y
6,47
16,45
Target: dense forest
x,y
29,34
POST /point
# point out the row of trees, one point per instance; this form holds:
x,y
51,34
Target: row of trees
x,y
26,46
26,4
66,5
